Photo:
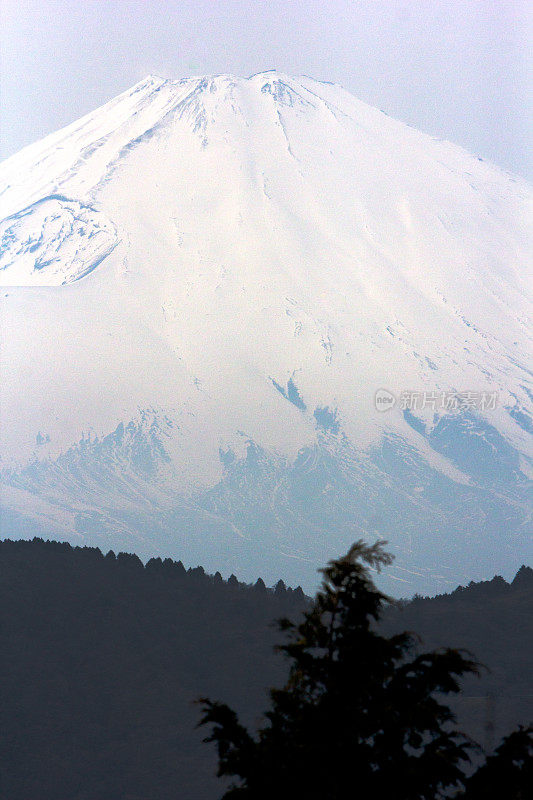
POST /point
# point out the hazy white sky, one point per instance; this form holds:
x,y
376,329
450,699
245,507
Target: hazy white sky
x,y
454,68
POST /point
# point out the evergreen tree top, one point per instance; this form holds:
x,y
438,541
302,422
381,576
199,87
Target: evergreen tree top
x,y
359,708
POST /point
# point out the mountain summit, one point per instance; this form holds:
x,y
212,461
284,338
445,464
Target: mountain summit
x,y
246,321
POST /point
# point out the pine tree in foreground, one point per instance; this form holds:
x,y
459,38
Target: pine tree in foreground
x,y
508,773
361,716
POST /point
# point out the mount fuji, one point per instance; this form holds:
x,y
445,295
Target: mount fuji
x,y
247,321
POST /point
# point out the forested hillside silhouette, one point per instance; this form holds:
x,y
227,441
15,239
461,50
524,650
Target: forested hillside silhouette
x,y
493,620
102,658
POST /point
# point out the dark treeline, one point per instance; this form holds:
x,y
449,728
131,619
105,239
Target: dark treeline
x,y
494,621
102,659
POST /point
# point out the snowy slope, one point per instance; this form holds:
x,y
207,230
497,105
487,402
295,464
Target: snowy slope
x,y
243,263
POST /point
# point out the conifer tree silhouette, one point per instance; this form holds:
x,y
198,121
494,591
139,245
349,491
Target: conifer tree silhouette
x,y
361,716
508,773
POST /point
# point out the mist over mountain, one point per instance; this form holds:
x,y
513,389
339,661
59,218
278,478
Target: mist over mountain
x,y
205,283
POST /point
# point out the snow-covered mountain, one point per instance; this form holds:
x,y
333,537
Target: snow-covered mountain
x,y
205,283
